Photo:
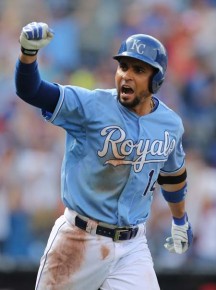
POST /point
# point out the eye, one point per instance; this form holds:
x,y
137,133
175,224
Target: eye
x,y
139,69
123,66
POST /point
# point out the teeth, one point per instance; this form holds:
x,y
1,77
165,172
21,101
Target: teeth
x,y
127,89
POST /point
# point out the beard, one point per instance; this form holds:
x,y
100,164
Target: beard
x,y
129,104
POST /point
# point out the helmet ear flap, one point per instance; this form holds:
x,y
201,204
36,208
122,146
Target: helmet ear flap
x,y
156,82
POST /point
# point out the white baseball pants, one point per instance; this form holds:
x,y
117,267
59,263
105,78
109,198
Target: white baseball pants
x,y
77,260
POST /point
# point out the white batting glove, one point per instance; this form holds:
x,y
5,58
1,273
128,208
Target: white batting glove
x,y
34,36
181,236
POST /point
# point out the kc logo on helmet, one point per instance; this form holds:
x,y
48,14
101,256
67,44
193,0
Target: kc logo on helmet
x,y
138,47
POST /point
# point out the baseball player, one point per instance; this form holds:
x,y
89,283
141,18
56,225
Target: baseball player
x,y
120,142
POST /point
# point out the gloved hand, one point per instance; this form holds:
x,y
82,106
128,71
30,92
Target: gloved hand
x,y
34,36
181,236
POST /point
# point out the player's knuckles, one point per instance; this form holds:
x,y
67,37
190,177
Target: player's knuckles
x,y
29,34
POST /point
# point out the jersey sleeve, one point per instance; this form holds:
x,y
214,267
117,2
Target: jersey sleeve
x,y
176,159
70,112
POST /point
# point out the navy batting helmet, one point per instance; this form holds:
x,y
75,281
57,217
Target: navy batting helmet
x,y
147,49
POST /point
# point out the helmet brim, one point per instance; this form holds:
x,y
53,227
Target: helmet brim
x,y
139,57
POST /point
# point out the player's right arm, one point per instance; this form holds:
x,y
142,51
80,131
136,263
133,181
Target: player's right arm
x,y
29,85
27,59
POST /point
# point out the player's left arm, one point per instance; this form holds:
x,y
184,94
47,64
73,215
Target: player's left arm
x,y
174,189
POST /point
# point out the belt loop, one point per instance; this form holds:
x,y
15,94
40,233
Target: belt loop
x,y
91,227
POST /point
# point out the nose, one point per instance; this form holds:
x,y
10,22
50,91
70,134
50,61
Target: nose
x,y
127,75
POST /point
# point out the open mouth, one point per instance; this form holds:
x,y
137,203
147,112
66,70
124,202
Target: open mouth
x,y
126,90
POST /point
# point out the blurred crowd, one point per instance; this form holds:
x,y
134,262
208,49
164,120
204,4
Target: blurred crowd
x,y
87,34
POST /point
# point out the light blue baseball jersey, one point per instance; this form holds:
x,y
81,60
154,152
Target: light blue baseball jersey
x,y
113,156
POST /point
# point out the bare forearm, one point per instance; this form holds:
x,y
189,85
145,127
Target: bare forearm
x,y
177,209
27,59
